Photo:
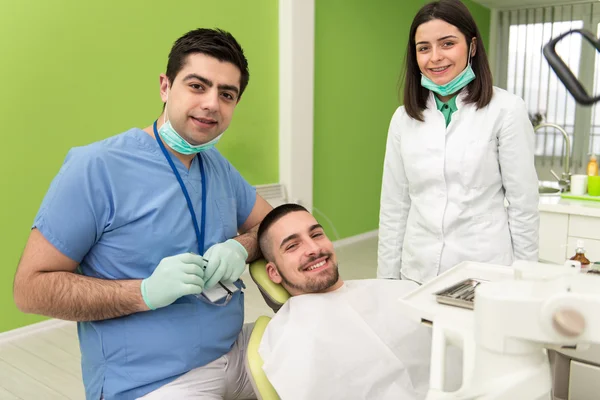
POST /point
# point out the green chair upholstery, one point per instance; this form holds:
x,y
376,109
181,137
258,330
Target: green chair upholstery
x,y
275,296
258,378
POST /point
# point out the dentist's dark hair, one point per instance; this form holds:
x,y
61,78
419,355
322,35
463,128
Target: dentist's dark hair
x,y
273,216
454,12
216,43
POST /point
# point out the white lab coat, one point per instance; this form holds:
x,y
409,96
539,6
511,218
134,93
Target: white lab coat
x,y
443,191
349,344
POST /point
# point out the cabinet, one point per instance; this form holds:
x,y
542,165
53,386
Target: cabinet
x,y
559,234
554,228
584,381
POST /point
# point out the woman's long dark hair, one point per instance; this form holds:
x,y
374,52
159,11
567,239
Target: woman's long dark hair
x,y
454,12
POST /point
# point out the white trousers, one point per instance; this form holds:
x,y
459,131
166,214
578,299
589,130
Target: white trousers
x,y
223,379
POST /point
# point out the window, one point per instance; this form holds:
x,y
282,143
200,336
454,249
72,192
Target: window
x,y
595,128
521,69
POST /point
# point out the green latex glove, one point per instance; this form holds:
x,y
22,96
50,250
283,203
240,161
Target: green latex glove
x,y
174,277
226,262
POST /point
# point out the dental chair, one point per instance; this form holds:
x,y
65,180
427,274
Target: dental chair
x,y
275,296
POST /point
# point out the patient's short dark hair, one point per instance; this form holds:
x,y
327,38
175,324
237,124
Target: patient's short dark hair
x,y
272,217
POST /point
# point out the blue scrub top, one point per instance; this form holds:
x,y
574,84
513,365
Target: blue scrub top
x,y
117,209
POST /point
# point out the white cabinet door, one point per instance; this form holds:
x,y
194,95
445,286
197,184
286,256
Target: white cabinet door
x,y
584,381
584,227
553,237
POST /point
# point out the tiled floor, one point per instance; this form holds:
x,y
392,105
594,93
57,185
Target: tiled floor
x,y
45,366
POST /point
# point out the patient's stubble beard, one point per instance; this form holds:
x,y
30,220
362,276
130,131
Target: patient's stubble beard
x,y
315,284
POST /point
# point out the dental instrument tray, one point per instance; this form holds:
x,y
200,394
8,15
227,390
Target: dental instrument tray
x,y
461,294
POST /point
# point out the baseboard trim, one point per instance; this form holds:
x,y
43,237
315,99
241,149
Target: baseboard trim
x,y
355,239
28,330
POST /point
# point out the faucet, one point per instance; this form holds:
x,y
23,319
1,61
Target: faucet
x,y
564,181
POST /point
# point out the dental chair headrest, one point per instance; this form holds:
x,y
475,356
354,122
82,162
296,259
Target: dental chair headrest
x,y
274,294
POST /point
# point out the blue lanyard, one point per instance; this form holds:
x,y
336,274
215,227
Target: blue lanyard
x,y
199,231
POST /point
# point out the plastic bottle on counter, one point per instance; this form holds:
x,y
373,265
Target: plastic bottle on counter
x,y
580,256
592,167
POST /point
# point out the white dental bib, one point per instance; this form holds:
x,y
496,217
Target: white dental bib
x,y
347,344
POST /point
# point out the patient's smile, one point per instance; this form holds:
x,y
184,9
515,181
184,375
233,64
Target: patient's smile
x,y
317,266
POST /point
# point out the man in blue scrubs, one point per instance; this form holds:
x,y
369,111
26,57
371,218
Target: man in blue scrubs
x,y
135,232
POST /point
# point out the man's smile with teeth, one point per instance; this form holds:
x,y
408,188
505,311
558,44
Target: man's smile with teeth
x,y
317,265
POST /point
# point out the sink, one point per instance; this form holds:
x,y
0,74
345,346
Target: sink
x,y
548,190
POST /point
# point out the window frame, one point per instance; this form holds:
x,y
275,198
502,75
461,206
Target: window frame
x,y
589,13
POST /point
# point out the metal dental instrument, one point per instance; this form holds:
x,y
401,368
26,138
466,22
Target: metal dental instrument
x,y
229,292
461,294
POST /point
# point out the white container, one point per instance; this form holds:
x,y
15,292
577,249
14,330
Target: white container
x,y
578,185
573,264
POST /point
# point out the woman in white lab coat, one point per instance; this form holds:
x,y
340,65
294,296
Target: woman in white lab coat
x,y
455,151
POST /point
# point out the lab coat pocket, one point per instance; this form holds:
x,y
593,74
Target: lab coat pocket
x,y
480,165
492,238
228,216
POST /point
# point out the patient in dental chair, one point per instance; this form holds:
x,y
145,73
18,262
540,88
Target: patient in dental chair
x,y
334,339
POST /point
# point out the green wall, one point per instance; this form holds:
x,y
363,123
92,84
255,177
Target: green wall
x,y
76,71
359,53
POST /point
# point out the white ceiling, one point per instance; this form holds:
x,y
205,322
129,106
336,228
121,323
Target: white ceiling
x,y
512,4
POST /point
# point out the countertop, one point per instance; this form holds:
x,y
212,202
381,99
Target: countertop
x,y
556,204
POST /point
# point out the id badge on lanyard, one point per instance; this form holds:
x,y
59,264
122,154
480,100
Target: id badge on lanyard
x,y
216,293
